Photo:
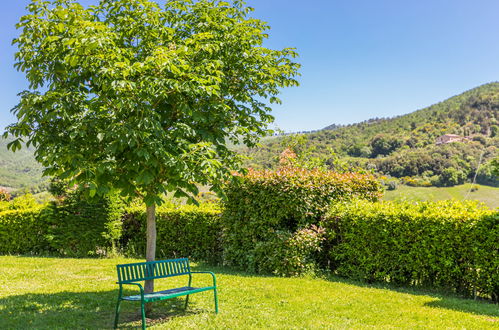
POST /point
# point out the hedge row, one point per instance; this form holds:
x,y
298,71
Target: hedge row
x,y
22,231
182,231
76,227
84,227
451,245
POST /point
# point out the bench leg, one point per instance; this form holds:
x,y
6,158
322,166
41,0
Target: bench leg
x,y
143,311
189,285
117,313
216,300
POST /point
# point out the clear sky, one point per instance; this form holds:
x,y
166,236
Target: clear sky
x,y
361,58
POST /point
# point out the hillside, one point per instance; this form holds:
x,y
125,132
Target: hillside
x,y
20,170
405,146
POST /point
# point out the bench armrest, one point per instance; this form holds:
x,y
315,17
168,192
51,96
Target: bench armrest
x,y
131,283
212,275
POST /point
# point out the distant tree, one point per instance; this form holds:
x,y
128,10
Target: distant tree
x,y
495,167
142,97
383,144
451,177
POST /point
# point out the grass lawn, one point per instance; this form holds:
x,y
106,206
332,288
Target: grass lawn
x,y
49,293
486,194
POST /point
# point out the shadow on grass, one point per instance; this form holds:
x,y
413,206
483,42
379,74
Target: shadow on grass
x,y
74,310
444,300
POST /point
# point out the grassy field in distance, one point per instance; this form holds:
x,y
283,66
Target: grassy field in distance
x,y
486,194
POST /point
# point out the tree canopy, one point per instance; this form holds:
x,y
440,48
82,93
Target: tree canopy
x,y
143,97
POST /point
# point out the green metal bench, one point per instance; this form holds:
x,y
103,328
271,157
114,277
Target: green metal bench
x,y
130,274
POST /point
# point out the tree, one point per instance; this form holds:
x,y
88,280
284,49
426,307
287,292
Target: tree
x,y
495,166
142,97
383,144
451,177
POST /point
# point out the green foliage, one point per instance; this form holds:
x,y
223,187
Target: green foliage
x,y
23,202
22,231
391,185
445,244
289,254
298,153
142,97
383,144
183,231
266,209
437,159
75,226
495,167
489,173
83,226
451,177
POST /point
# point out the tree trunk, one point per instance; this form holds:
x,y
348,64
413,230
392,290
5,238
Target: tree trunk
x,y
151,248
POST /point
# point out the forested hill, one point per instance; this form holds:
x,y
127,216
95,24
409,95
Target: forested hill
x,y
20,170
406,145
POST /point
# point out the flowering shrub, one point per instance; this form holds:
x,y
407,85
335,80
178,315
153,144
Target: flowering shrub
x,y
4,195
266,208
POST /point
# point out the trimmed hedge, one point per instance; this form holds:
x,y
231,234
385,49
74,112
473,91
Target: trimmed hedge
x,y
264,208
75,227
182,231
22,231
447,244
80,226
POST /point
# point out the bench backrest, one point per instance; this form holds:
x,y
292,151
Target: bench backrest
x,y
152,269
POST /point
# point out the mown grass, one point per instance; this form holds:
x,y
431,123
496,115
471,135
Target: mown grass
x,y
485,194
49,293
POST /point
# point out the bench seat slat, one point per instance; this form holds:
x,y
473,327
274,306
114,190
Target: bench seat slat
x,y
167,294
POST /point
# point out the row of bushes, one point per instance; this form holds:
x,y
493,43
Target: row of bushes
x,y
287,222
76,227
452,245
182,231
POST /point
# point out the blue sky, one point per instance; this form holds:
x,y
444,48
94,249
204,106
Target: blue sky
x,y
360,58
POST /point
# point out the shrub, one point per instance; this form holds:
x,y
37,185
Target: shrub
x,y
264,208
182,231
4,195
83,226
416,182
451,177
23,202
289,254
445,244
22,231
391,185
